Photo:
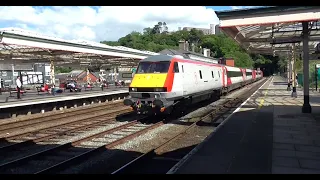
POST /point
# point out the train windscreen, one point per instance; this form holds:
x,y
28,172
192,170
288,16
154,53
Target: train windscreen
x,y
153,67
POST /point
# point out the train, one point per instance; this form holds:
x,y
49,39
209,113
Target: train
x,y
164,83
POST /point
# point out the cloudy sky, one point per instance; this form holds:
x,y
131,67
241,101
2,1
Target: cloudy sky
x,y
105,23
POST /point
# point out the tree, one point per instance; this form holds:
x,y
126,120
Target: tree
x,y
60,69
157,38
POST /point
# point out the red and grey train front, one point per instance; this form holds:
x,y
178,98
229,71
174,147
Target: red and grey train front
x,y
148,93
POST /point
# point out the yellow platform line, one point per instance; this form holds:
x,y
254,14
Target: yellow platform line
x,y
265,95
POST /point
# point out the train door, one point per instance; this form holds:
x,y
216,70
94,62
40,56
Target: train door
x,y
244,75
184,79
254,74
224,76
178,78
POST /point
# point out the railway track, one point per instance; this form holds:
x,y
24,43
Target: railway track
x,y
157,161
22,144
60,157
18,125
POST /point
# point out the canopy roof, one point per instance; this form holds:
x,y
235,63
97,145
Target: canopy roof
x,y
25,46
271,30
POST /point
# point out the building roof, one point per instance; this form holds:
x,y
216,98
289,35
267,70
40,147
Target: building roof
x,y
75,73
61,75
17,67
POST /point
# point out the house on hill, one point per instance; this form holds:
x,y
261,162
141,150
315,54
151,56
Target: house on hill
x,y
81,76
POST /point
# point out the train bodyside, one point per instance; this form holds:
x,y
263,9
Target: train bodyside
x,y
178,81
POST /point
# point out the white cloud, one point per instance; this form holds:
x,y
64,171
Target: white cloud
x,y
243,7
102,23
236,7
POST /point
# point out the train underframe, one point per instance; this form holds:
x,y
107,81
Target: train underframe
x,y
152,103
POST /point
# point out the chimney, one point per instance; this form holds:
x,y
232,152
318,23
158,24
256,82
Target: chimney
x,y
205,52
193,47
182,45
187,46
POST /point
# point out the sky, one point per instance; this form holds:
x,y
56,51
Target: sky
x,y
98,23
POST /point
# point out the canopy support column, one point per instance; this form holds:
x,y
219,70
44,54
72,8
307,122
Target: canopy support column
x,y
289,72
294,84
306,108
52,76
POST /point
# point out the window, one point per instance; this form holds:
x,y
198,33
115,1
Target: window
x,y
200,74
212,74
182,69
176,68
126,75
234,74
219,74
153,67
248,73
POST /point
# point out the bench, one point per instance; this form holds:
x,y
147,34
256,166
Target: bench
x,y
87,87
22,92
39,89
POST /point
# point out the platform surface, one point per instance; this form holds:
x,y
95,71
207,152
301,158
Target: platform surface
x,y
268,134
43,98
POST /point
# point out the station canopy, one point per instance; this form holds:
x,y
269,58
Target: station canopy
x,y
21,46
272,30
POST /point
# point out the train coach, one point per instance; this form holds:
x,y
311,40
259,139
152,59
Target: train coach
x,y
163,83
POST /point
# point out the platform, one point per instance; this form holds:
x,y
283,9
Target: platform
x,y
60,97
268,134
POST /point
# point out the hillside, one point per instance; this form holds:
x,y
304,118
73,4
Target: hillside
x,y
158,38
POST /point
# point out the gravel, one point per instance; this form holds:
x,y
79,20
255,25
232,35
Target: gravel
x,y
145,142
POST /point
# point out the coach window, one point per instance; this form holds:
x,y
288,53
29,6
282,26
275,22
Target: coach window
x,y
212,74
219,74
182,68
200,74
176,67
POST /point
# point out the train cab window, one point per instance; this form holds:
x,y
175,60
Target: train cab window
x,y
153,67
182,68
176,67
200,73
212,74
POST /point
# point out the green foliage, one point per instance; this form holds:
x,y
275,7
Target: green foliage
x,y
62,69
158,38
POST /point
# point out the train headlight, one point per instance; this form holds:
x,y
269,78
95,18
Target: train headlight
x,y
134,89
158,89
156,96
